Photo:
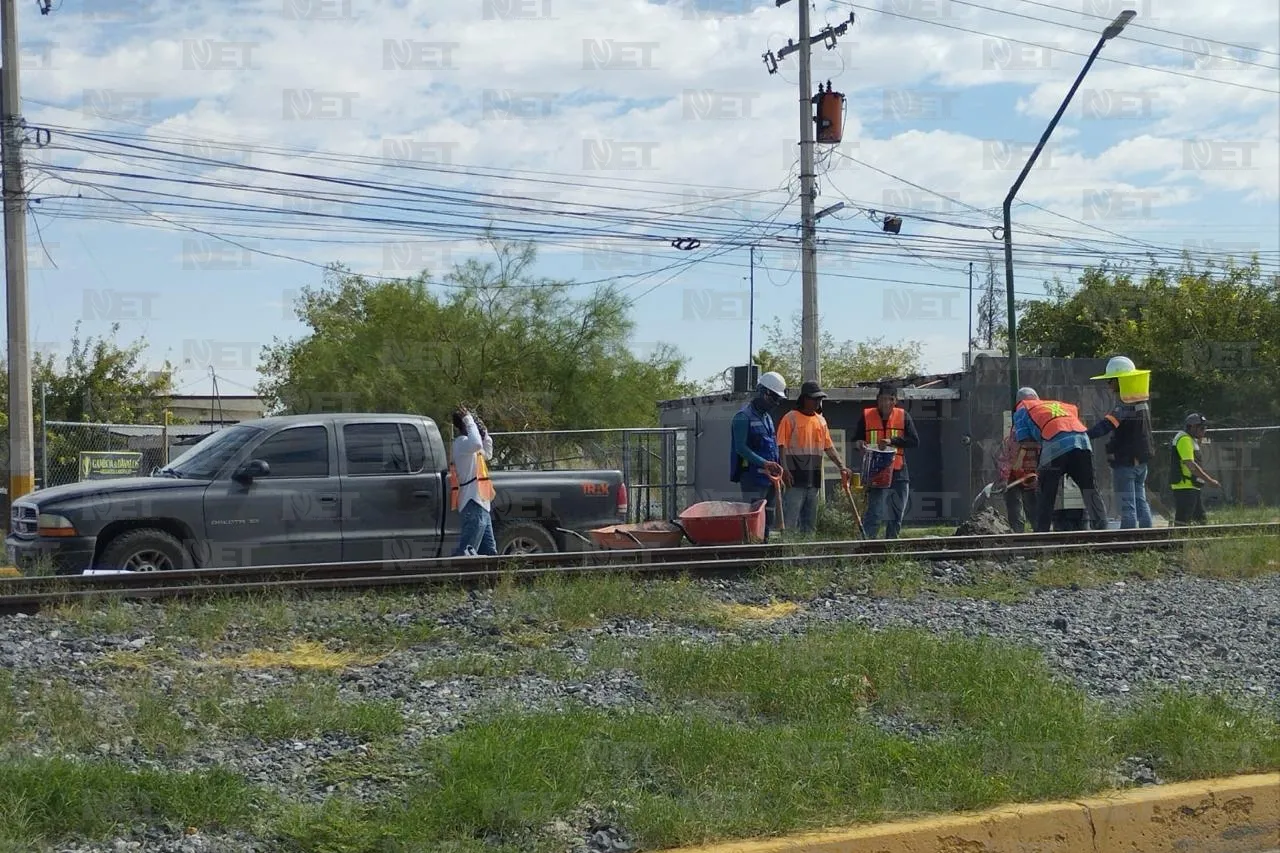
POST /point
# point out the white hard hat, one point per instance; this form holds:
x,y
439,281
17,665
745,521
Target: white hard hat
x,y
774,382
1118,366
1027,393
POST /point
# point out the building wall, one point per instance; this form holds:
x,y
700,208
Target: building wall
x,y
206,409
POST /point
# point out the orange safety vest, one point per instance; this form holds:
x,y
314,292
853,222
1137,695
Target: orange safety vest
x,y
482,475
897,426
1053,417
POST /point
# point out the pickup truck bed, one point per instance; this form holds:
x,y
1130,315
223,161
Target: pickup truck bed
x,y
300,490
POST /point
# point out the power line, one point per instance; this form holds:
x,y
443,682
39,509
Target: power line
x,y
1094,32
1059,49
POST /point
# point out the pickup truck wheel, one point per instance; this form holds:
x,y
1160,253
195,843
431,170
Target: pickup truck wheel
x,y
146,551
525,538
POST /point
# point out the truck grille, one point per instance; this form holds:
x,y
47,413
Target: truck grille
x,y
23,518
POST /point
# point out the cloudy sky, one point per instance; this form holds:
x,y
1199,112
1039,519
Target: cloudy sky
x,y
192,165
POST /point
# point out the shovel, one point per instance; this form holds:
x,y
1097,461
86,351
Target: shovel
x,y
853,504
985,495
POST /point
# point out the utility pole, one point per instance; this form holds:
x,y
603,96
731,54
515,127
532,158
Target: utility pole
x,y
751,315
809,332
22,466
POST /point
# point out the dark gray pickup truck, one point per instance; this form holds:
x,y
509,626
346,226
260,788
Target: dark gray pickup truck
x,y
298,490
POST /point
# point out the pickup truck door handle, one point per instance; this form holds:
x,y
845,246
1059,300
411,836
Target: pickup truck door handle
x,y
328,499
423,493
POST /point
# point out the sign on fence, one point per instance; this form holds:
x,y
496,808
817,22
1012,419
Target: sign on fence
x,y
108,464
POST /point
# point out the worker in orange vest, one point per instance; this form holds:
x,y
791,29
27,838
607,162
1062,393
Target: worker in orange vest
x,y
1018,465
884,426
470,487
1065,450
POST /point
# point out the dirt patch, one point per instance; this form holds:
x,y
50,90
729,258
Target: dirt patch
x,y
985,522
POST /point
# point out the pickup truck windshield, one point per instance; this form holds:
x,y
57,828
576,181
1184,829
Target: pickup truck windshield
x,y
206,459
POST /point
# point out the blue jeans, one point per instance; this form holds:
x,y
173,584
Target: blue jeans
x,y
801,506
1130,482
752,493
477,531
892,499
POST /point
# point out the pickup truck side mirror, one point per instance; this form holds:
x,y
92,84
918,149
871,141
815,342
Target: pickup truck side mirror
x,y
251,469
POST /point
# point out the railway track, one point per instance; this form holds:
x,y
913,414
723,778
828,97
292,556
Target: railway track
x,y
27,595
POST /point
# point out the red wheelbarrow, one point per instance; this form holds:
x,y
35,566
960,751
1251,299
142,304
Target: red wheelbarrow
x,y
724,522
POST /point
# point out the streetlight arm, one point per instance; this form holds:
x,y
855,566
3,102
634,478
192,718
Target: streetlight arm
x,y
1048,131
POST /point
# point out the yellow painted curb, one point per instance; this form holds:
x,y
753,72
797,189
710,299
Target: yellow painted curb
x,y
9,572
1237,815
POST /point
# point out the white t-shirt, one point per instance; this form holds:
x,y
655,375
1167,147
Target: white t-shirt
x,y
465,448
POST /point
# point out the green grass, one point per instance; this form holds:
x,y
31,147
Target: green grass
x,y
54,799
1232,559
560,603
313,707
794,746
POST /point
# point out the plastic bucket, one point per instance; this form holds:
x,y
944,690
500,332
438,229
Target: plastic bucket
x,y
1136,387
877,468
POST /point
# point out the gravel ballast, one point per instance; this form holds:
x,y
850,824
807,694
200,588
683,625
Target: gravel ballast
x,y
1112,642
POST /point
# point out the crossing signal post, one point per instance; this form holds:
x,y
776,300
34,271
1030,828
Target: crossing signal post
x,y
809,331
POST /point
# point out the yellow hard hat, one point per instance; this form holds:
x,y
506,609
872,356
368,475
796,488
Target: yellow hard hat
x,y
1118,366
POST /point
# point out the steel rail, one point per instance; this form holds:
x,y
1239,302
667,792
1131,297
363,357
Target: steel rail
x,y
605,559
34,601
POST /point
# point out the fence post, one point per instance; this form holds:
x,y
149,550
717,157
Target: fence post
x,y
164,438
44,438
626,474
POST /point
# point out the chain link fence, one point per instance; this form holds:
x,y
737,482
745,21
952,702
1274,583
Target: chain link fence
x,y
1246,460
655,463
71,452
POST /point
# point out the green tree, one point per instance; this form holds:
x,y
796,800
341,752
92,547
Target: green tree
x,y
521,350
1210,336
99,381
843,363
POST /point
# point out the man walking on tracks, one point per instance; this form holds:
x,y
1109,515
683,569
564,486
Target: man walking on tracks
x,y
1131,446
1186,474
803,438
1065,450
753,463
885,426
470,488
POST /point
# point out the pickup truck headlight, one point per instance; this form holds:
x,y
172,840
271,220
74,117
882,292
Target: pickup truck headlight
x,y
49,524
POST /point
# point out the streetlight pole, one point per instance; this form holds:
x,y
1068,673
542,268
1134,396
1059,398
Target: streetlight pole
x,y
1113,29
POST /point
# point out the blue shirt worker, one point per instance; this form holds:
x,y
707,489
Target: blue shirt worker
x,y
1131,446
754,461
886,426
1065,450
